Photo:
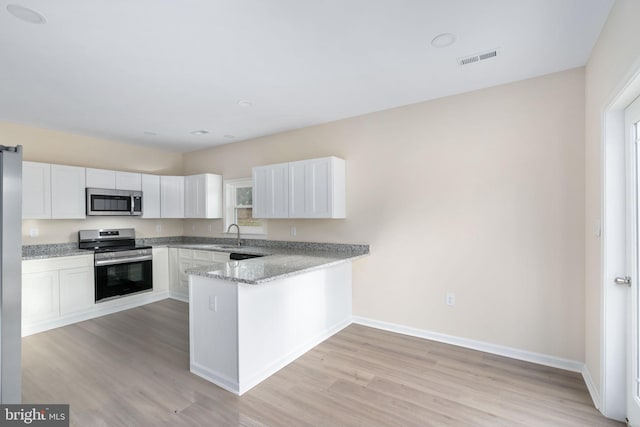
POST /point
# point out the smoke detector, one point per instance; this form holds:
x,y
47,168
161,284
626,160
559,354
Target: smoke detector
x,y
471,59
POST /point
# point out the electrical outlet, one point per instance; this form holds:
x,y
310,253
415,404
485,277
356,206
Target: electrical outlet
x,y
193,227
210,228
451,299
34,232
158,228
293,231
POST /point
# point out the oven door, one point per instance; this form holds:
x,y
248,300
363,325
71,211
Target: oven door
x,y
116,278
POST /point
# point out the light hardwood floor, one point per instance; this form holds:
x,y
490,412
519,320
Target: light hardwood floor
x,y
132,369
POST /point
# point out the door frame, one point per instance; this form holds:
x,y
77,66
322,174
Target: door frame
x,y
613,340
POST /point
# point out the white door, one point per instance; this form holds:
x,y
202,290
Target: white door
x,y
632,125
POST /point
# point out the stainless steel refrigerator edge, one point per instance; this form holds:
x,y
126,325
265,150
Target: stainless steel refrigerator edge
x,y
10,274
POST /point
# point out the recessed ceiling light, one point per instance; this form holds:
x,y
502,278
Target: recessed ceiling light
x,y
245,103
229,136
199,132
25,14
443,40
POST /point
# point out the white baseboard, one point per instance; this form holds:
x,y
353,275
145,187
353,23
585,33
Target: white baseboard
x,y
179,297
593,391
514,353
97,310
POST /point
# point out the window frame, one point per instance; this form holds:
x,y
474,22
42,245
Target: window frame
x,y
229,198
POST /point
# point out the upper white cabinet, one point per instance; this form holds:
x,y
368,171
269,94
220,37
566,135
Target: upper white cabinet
x,y
203,196
36,190
100,178
67,192
317,188
271,191
150,196
128,181
114,180
313,188
171,196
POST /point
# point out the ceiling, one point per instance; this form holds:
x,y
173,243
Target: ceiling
x,y
151,72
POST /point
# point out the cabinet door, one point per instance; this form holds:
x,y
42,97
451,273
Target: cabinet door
x,y
40,296
317,188
100,178
271,191
76,290
174,270
160,269
194,196
67,192
36,190
171,197
203,196
150,196
128,181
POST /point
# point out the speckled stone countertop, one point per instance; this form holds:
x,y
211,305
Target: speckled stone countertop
x,y
53,250
279,259
278,264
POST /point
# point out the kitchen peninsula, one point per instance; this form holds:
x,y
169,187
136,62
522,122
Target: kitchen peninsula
x,y
249,318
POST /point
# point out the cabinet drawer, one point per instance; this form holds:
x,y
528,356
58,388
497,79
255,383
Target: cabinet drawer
x,y
60,263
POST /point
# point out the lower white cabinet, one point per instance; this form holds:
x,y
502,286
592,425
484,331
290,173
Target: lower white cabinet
x,y
55,287
76,290
183,259
160,270
40,296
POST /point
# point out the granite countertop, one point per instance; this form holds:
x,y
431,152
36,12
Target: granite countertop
x,y
276,266
279,259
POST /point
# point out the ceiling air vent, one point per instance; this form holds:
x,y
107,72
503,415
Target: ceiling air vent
x,y
477,57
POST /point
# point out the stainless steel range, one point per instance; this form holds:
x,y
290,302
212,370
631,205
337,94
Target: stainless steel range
x,y
121,267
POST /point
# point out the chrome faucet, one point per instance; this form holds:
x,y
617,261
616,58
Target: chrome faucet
x,y
229,230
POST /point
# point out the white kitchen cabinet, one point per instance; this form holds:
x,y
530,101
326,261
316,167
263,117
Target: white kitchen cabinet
x,y
113,180
40,296
313,188
171,196
128,181
203,196
36,190
55,287
184,259
317,188
100,178
150,196
67,192
271,191
77,290
160,270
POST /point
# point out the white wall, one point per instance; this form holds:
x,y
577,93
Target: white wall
x,y
481,194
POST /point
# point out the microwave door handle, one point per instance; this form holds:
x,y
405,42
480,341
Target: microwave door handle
x,y
132,204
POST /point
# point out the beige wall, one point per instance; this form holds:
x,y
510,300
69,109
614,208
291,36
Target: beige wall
x,y
42,145
616,52
481,194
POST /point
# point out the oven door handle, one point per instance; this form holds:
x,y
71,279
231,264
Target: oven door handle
x,y
141,258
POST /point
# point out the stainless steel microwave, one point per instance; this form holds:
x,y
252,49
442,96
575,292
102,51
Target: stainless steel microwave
x,y
107,202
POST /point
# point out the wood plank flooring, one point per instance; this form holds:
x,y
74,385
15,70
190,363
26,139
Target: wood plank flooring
x,y
132,369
